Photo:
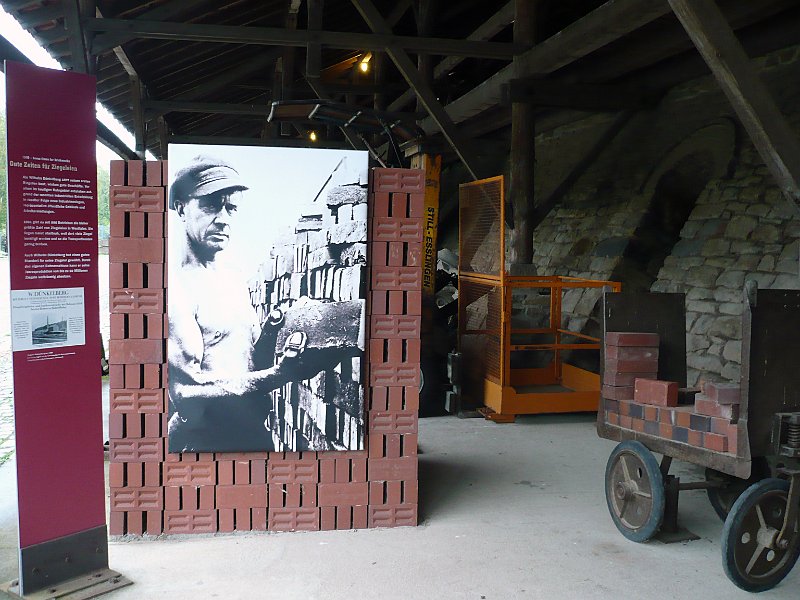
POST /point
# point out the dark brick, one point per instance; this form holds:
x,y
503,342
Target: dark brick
x,y
618,392
635,411
651,427
626,379
699,422
680,434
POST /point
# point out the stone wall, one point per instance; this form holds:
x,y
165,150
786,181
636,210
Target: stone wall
x,y
738,226
319,270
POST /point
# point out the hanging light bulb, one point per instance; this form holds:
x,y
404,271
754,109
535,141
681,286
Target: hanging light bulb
x,y
312,136
364,64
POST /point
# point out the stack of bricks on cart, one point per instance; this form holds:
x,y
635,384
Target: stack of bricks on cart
x,y
640,402
322,260
154,491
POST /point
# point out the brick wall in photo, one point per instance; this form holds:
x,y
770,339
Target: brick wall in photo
x,y
154,492
322,260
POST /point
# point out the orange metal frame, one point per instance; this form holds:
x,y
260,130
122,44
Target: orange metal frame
x,y
582,387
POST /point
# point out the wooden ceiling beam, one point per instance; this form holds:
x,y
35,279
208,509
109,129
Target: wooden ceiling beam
x,y
74,10
769,130
650,47
580,96
413,77
490,28
166,12
273,36
161,107
280,142
602,26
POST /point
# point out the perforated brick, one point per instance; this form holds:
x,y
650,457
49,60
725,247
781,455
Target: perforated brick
x,y
136,300
398,180
196,521
393,422
396,278
137,499
392,229
293,519
190,473
393,516
140,199
395,326
291,471
141,450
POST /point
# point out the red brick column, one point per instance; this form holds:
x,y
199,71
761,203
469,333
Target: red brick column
x,y
155,492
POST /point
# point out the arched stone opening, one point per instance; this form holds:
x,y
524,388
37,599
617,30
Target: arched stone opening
x,y
673,189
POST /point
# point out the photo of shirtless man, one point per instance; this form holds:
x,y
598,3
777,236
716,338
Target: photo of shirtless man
x,y
216,392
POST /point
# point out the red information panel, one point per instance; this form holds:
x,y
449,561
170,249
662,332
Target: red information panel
x,y
52,191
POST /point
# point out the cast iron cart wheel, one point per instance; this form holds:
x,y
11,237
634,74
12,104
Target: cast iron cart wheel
x,y
750,557
722,498
635,491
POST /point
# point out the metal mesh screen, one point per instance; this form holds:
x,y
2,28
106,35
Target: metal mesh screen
x,y
480,307
481,227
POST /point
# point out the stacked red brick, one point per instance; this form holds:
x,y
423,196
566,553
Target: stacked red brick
x,y
154,492
323,259
642,403
628,356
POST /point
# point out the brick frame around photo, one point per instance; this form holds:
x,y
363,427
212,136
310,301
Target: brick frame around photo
x,y
154,492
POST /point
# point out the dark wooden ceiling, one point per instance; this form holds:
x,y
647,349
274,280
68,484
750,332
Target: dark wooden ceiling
x,y
183,70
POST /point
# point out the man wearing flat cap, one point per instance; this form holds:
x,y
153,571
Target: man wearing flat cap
x,y
218,391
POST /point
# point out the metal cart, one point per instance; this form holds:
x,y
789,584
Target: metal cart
x,y
755,486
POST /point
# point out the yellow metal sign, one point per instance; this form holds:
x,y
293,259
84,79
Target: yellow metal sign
x,y
433,168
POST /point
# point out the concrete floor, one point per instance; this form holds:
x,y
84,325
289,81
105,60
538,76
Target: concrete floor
x,y
507,511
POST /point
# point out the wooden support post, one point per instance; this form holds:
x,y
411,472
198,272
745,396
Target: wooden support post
x,y
163,136
139,125
314,49
768,128
523,149
425,12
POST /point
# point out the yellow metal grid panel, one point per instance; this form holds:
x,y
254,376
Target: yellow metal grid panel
x,y
480,331
482,227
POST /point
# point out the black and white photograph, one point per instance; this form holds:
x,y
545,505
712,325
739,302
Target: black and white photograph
x,y
48,328
267,254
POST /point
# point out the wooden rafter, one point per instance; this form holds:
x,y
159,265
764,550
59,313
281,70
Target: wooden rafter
x,y
273,36
410,73
602,26
769,130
